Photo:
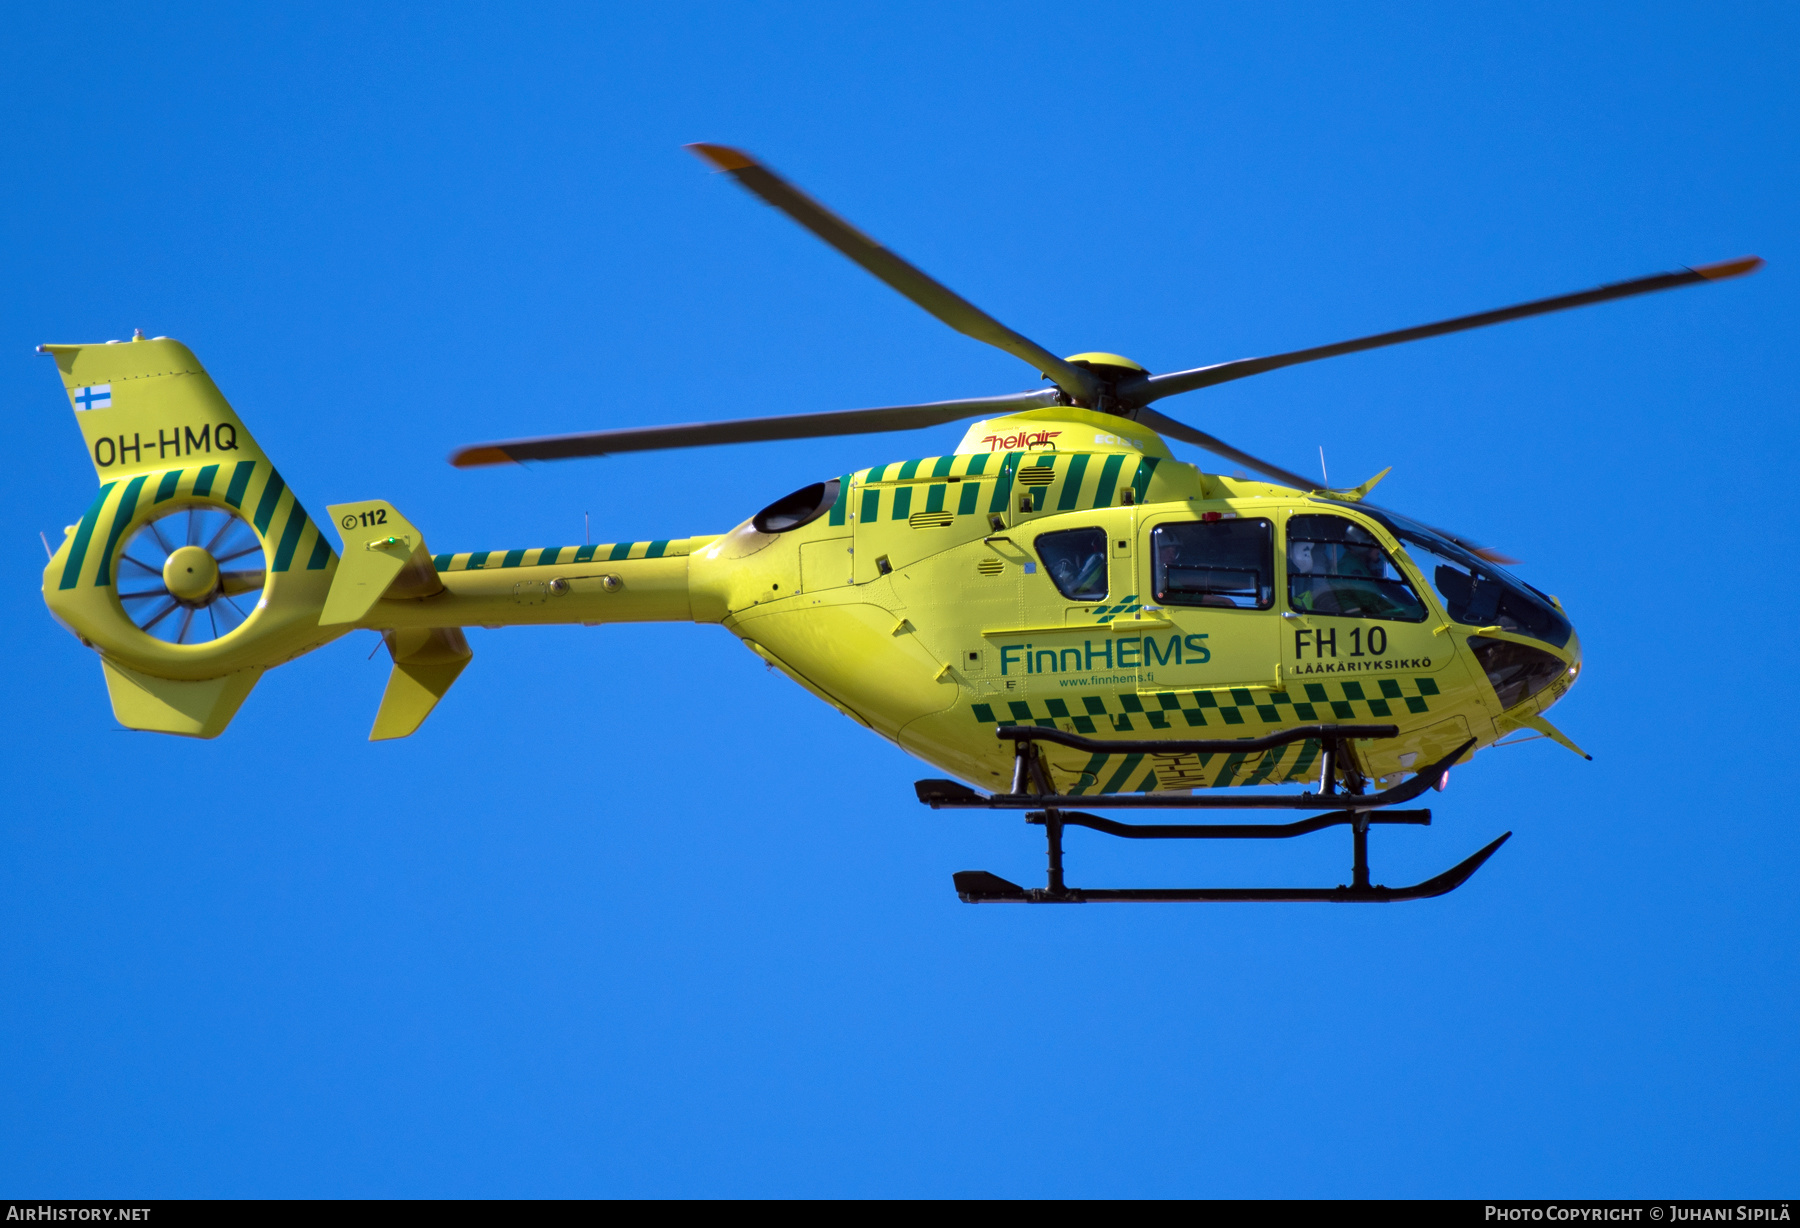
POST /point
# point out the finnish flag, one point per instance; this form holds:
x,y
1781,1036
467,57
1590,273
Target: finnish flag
x,y
98,396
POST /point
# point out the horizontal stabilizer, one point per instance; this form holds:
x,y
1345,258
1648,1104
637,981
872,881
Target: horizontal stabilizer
x,y
384,556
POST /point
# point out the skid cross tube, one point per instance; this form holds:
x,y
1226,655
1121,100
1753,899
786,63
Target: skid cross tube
x,y
1233,831
949,795
1032,790
1204,746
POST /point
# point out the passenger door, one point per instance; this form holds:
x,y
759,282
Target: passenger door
x,y
1205,592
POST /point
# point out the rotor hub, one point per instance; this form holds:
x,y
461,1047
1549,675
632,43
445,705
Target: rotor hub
x,y
191,575
1110,367
1113,369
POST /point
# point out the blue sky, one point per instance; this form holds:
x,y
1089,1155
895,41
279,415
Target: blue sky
x,y
633,916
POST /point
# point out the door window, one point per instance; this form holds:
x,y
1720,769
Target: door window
x,y
1229,563
1075,560
1335,566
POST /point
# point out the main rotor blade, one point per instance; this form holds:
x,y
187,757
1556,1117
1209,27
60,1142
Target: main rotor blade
x,y
1145,389
933,296
747,430
1162,424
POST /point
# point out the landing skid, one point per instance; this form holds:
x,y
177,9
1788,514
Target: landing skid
x,y
1032,791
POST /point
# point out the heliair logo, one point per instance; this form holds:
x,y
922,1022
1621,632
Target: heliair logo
x,y
1023,439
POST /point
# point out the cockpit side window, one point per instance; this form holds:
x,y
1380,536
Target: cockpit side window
x,y
1335,566
1226,563
1075,560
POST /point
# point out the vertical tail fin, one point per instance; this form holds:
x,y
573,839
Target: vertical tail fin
x,y
195,567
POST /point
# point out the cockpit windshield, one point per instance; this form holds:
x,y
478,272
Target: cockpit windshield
x,y
1475,591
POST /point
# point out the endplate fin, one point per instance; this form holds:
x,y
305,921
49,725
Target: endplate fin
x,y
426,661
384,556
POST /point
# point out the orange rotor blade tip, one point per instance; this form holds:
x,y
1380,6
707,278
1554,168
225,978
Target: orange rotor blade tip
x,y
1730,268
1494,556
470,458
721,157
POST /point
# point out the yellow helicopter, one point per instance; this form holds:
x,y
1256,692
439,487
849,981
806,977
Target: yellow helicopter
x,y
1056,611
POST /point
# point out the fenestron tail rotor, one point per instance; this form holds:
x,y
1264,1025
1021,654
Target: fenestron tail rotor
x,y
191,576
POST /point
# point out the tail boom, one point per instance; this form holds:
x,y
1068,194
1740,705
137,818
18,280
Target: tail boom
x,y
631,582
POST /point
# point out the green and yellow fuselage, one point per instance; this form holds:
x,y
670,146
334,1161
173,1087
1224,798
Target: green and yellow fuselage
x,y
916,601
918,606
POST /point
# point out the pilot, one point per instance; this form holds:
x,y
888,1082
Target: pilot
x,y
1066,572
1363,559
1080,575
1168,555
1301,562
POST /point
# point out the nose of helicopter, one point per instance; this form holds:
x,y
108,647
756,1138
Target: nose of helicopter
x,y
1572,653
1559,686
1528,674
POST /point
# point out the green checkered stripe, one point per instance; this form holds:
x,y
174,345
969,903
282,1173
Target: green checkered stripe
x,y
1179,710
489,560
983,483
